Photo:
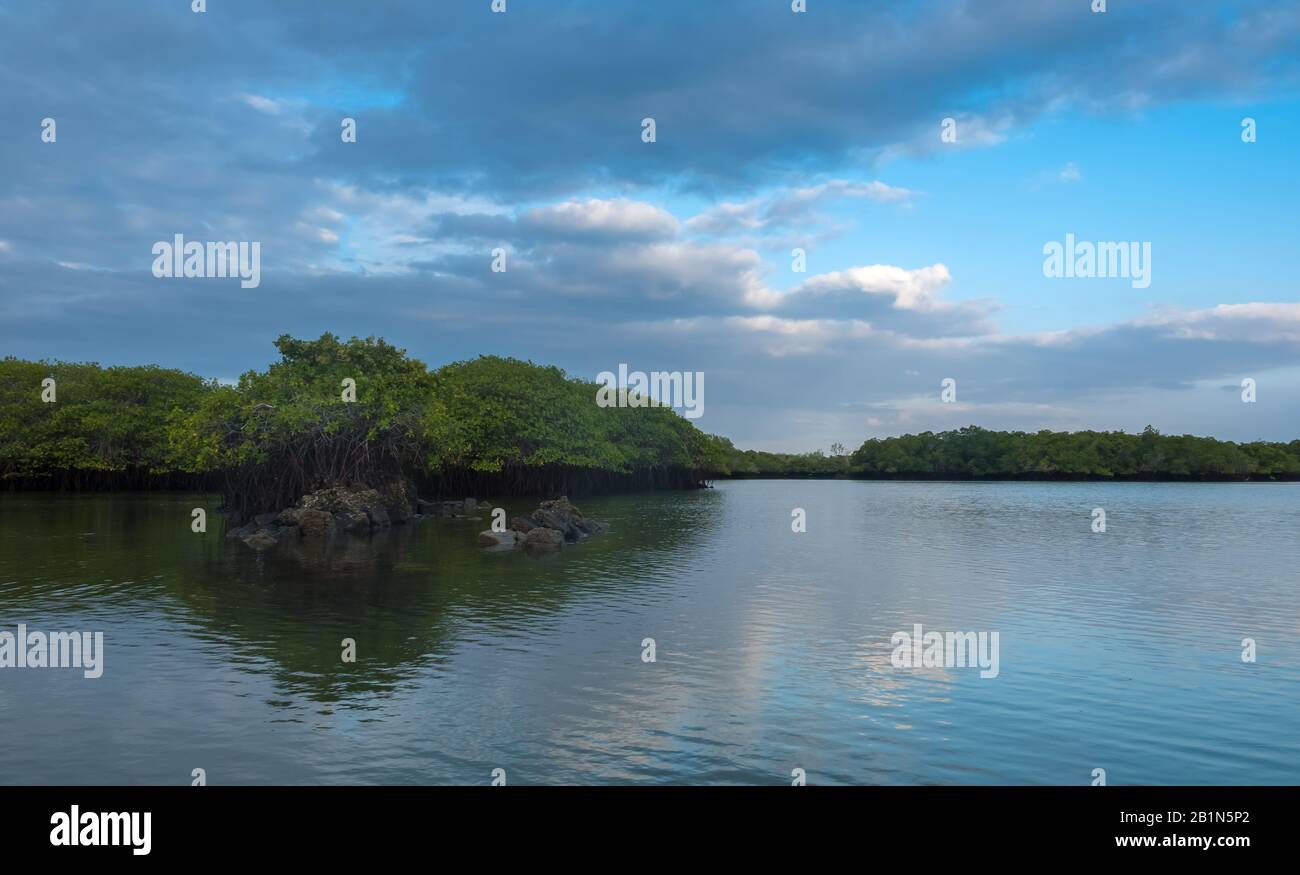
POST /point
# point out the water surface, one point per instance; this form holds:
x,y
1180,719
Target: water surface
x,y
1119,650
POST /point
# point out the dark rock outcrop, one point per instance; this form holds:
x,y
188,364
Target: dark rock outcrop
x,y
542,540
261,537
550,527
507,540
360,509
567,519
460,509
399,500
261,541
316,523
352,521
324,513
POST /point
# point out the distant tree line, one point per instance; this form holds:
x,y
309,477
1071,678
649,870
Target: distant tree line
x,y
749,464
977,453
362,411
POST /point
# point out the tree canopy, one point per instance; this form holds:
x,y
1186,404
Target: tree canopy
x,y
979,453
105,420
337,412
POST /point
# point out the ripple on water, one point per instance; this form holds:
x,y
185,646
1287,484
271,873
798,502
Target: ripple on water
x,y
1119,650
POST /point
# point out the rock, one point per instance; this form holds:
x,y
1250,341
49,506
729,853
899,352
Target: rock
x,y
316,523
561,516
352,521
543,539
350,505
355,508
485,505
560,505
502,540
469,506
547,528
399,500
591,527
426,507
260,541
343,498
551,520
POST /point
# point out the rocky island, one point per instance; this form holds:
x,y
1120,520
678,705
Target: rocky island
x,y
360,509
550,527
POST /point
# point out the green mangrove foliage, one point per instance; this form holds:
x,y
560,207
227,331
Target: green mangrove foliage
x,y
92,426
504,425
975,453
329,412
757,464
340,412
362,411
978,453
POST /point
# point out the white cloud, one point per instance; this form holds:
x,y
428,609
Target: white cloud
x,y
788,207
263,104
972,130
911,289
617,217
1251,322
687,270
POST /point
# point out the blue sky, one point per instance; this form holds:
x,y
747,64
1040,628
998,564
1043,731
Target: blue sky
x,y
774,130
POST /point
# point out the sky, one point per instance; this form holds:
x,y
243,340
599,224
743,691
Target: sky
x,y
923,155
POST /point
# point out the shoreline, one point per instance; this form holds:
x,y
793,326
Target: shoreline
x,y
708,484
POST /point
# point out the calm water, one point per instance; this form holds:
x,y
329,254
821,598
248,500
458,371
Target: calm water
x,y
1119,651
